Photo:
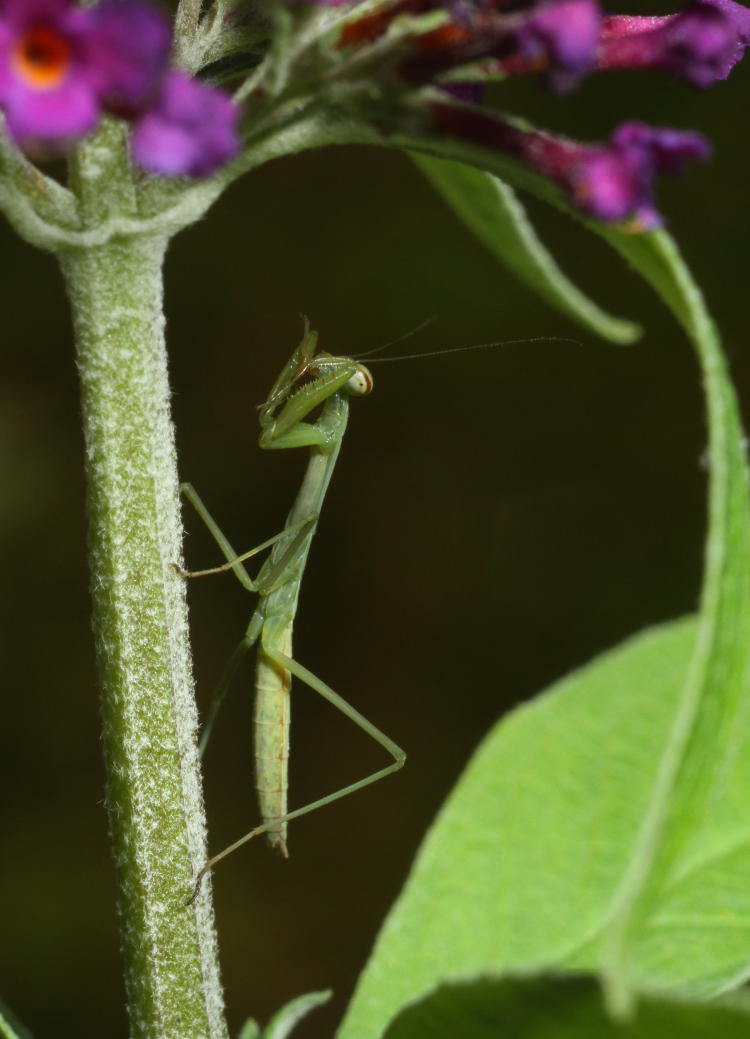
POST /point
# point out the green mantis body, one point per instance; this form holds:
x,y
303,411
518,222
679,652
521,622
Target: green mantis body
x,y
308,380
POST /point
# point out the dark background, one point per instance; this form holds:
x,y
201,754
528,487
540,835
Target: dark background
x,y
496,519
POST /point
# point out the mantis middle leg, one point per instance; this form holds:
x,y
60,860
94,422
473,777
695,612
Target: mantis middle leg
x,y
271,576
273,573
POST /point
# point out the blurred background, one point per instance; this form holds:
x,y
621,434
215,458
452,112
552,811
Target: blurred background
x,y
496,519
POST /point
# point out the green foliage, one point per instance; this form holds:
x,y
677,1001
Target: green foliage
x,y
556,1008
281,1024
491,210
10,1026
519,870
605,825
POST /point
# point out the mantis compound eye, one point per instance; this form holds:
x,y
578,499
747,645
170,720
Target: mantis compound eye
x,y
360,383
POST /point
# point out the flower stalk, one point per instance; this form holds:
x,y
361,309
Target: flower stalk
x,y
140,623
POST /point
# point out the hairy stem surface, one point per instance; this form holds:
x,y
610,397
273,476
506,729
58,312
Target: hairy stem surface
x,y
140,621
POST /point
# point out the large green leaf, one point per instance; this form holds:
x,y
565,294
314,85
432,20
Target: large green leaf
x,y
553,1008
519,869
492,211
686,881
608,824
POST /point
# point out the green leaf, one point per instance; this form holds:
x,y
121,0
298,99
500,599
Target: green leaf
x,y
10,1026
282,1022
608,824
686,878
492,211
519,869
553,1008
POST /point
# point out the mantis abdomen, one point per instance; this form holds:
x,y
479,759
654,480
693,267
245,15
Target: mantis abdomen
x,y
271,736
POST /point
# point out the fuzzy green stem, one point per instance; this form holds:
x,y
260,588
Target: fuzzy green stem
x,y
188,45
140,621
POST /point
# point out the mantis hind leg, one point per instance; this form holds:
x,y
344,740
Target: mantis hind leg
x,y
317,685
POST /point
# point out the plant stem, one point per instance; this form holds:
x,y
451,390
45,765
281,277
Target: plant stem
x,y
186,33
140,621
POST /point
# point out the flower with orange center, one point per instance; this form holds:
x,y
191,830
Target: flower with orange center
x,y
41,58
62,65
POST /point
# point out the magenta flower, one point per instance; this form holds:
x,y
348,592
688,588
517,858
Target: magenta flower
x,y
561,37
612,182
129,45
615,181
556,37
703,42
60,66
565,39
190,130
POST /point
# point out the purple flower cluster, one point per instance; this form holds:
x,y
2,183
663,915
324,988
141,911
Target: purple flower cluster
x,y
702,43
561,38
612,181
62,67
564,40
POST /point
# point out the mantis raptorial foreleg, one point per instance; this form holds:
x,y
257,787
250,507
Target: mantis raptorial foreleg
x,y
312,681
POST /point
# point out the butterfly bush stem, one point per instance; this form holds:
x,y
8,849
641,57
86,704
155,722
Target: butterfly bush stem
x,y
188,16
186,29
140,621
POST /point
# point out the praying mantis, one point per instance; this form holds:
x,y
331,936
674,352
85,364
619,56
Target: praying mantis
x,y
308,379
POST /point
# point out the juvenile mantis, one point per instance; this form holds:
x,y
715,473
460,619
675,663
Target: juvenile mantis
x,y
308,379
